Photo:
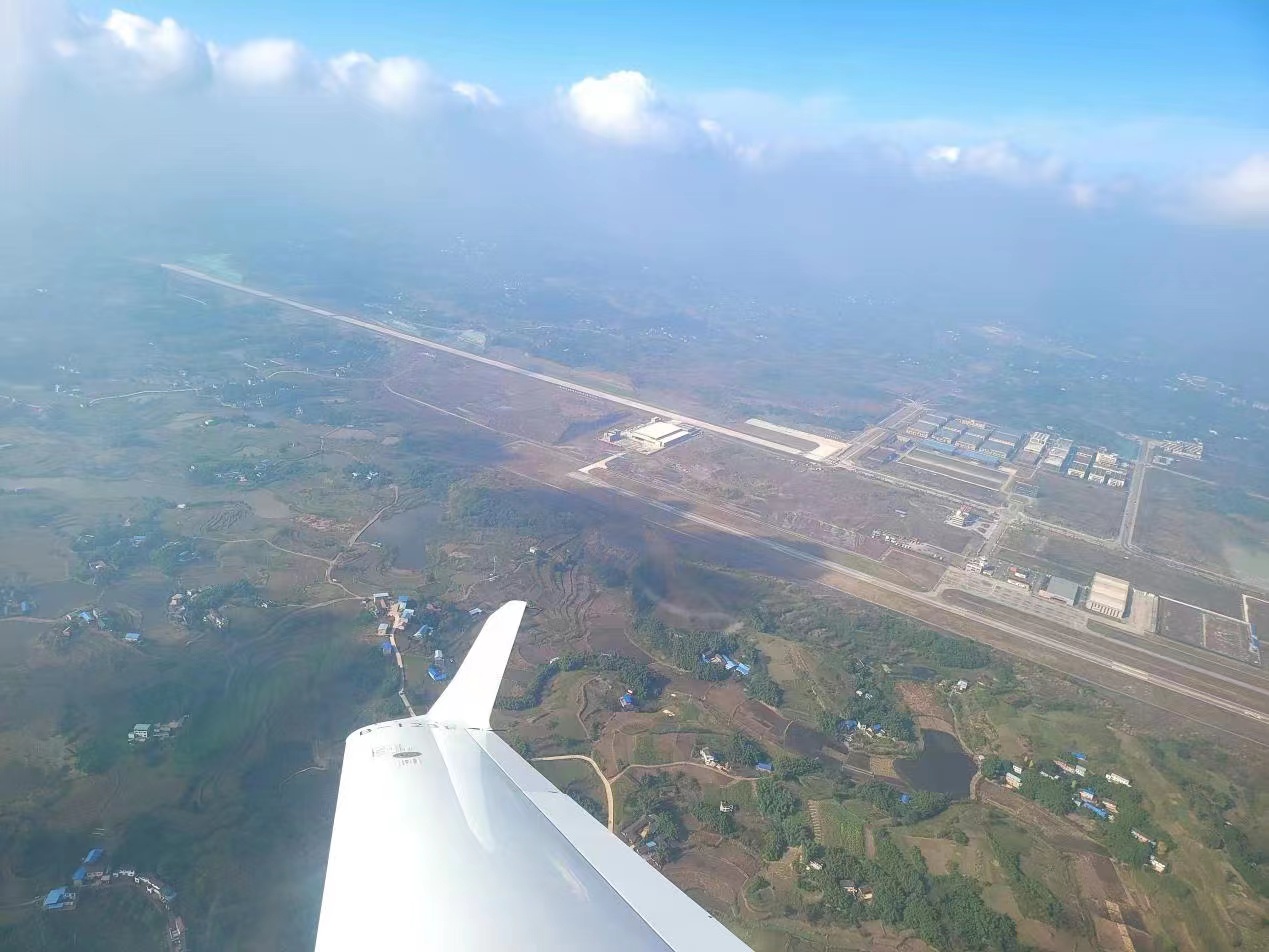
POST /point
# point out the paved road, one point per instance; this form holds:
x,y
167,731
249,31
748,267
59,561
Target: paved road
x,y
499,364
612,813
1129,524
1020,634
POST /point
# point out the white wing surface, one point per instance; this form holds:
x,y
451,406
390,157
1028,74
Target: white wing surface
x,y
445,838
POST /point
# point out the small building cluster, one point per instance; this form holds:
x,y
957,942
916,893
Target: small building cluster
x,y
1107,595
94,872
728,664
144,733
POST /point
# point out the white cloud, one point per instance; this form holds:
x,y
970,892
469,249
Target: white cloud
x,y
129,48
396,84
622,106
951,154
476,93
999,160
1241,194
268,63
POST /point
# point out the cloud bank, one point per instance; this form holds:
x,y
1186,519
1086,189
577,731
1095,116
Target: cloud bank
x,y
141,135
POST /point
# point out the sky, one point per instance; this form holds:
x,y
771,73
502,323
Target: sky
x,y
1037,158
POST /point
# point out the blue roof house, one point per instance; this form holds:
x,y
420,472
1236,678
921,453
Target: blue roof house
x,y
94,856
764,767
435,673
743,669
60,898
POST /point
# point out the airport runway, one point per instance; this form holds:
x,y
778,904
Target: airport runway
x,y
499,364
1013,631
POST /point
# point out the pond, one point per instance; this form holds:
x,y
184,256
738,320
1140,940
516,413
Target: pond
x,y
409,533
942,766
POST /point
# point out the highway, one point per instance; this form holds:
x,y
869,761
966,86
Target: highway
x,y
499,364
1013,631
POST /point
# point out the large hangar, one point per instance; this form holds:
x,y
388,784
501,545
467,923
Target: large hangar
x,y
659,434
1108,595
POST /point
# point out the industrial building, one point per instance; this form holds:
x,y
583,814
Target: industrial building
x,y
659,434
1057,453
1108,596
1060,589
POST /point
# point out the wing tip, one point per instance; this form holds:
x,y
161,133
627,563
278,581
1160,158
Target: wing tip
x,y
470,697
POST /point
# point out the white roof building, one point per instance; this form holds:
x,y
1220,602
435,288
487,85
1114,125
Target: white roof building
x,y
659,434
1108,595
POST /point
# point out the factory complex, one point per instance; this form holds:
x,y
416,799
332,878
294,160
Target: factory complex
x,y
988,445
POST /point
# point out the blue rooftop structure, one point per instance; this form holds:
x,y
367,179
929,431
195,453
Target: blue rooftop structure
x,y
1093,808
764,767
59,898
1078,756
435,673
876,727
132,637
402,601
905,798
94,856
79,876
386,647
849,725
86,616
742,669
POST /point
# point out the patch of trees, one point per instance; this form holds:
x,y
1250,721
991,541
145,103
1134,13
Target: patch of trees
x,y
919,806
528,511
877,705
1035,900
947,912
586,802
685,650
742,749
636,677
762,687
125,545
865,628
1053,795
657,795
775,800
791,768
714,819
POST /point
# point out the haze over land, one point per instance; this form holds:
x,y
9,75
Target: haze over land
x,y
143,135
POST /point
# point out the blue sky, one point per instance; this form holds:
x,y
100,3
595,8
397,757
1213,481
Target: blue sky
x,y
886,60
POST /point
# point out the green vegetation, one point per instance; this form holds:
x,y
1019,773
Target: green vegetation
x,y
526,511
919,806
632,675
1035,900
947,912
115,546
742,749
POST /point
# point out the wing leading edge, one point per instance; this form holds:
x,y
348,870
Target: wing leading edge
x,y
445,838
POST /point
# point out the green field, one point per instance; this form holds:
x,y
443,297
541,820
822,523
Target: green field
x,y
843,824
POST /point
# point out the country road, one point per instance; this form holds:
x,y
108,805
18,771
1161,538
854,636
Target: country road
x,y
612,812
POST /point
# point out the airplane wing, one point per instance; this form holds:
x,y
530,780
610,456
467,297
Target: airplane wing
x,y
445,838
